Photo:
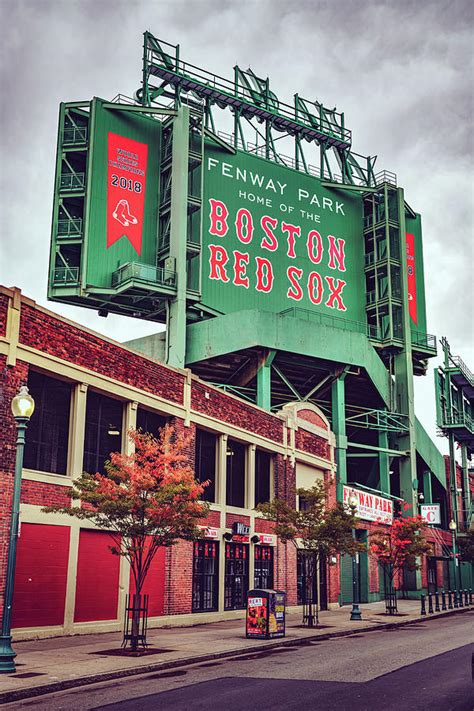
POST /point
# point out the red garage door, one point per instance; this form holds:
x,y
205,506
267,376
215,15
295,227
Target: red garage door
x,y
97,578
40,575
154,585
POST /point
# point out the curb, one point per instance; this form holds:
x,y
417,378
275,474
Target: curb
x,y
34,691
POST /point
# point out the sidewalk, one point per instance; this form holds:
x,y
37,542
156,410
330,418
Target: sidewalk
x,y
48,665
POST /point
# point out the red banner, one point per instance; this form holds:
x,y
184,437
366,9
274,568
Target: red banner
x,y
411,276
126,181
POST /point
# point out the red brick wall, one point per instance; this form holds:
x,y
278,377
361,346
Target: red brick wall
x,y
50,335
10,381
179,579
3,314
40,494
234,412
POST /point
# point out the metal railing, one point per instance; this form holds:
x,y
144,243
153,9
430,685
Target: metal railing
x,y
74,135
70,227
459,363
66,275
72,181
425,340
458,418
146,273
332,321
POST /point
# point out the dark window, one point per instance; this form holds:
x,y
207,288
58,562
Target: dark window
x,y
149,421
262,476
48,430
236,576
264,567
206,462
205,576
235,474
103,432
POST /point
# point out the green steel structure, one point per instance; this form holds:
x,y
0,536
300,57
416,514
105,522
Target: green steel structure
x,y
283,266
454,385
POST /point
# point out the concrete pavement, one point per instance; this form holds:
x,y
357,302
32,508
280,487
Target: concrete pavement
x,y
65,662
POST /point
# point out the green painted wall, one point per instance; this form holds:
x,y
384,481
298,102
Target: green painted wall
x,y
284,195
101,261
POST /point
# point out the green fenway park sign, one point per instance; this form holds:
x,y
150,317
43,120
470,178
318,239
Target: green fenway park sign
x,y
274,239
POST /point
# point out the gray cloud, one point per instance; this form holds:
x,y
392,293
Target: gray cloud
x,y
402,72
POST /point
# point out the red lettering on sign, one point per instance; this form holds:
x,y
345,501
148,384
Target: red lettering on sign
x,y
295,291
336,253
335,297
241,260
264,275
293,232
244,225
315,251
269,241
315,288
217,261
219,214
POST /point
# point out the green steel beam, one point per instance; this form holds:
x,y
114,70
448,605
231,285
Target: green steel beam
x,y
384,463
140,109
252,328
427,487
391,452
264,380
338,406
176,316
350,187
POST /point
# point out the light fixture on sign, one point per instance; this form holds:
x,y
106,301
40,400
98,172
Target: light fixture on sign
x,y
113,431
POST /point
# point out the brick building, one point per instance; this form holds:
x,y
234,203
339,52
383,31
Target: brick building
x,y
89,391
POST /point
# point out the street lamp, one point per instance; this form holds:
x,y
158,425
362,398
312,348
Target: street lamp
x,y
452,528
355,612
23,406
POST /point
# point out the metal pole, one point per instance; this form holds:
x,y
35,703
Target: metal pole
x,y
7,655
355,612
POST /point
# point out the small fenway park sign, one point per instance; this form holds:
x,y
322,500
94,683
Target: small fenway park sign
x,y
370,507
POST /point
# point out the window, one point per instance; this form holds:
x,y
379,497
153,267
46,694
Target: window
x,y
205,576
48,430
235,474
206,462
149,421
262,476
263,567
236,576
103,431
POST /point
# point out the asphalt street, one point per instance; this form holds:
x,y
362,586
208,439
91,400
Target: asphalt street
x,y
421,666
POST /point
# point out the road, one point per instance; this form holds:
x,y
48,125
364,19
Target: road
x,y
420,666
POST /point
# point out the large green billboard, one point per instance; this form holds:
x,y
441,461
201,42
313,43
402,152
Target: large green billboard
x,y
275,238
123,192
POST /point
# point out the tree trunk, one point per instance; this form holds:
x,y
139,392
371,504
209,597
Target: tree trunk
x,y
135,630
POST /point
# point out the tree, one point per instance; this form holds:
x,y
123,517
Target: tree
x,y
399,546
317,529
144,500
466,548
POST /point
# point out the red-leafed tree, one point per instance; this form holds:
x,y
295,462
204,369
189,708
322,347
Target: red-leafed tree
x,y
144,500
399,546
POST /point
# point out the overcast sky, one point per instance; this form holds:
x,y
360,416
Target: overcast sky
x,y
401,71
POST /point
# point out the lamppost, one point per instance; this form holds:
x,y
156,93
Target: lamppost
x,y
22,408
355,612
452,528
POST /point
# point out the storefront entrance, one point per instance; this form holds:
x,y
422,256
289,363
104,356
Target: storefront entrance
x,y
236,575
307,588
263,575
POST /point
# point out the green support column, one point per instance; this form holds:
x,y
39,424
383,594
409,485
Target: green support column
x,y
404,393
264,381
404,390
384,463
338,398
176,317
467,492
427,488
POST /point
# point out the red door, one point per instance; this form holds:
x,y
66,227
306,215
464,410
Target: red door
x,y
40,575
